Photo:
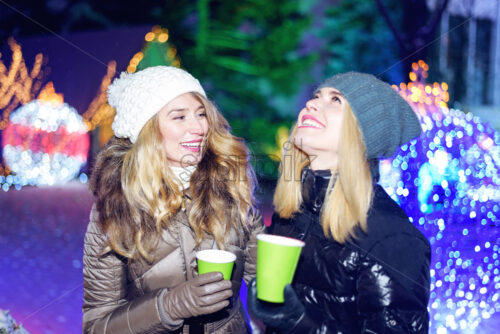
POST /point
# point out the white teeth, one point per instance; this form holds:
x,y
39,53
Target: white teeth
x,y
310,122
192,144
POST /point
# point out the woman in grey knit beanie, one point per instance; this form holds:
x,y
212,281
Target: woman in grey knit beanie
x,y
365,267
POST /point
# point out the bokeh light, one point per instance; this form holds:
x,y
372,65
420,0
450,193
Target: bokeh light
x,y
45,143
448,182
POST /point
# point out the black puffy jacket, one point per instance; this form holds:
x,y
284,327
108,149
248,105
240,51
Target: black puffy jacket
x,y
378,283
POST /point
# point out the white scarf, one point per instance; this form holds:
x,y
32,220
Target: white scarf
x,y
183,175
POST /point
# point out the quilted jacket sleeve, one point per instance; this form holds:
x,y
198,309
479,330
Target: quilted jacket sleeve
x,y
391,296
106,307
256,226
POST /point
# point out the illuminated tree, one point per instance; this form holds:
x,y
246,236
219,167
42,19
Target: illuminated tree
x,y
157,51
448,182
99,115
18,85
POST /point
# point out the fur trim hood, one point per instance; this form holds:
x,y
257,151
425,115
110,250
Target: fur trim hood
x,y
106,186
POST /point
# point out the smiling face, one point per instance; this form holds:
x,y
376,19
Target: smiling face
x,y
319,127
183,125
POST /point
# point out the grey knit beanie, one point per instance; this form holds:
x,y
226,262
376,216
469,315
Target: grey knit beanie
x,y
385,118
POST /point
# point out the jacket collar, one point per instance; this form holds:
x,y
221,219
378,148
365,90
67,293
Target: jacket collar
x,y
314,186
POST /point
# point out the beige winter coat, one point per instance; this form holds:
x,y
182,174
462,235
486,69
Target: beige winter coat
x,y
122,297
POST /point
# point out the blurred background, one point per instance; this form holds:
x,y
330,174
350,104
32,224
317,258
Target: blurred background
x,y
259,61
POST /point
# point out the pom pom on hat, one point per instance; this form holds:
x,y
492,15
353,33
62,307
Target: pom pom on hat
x,y
386,120
138,96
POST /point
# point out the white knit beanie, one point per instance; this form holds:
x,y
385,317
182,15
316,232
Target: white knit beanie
x,y
139,96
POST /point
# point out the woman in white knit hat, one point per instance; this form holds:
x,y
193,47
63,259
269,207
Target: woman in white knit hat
x,y
364,267
172,181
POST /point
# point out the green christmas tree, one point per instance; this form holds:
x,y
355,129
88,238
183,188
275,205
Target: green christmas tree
x,y
156,51
247,53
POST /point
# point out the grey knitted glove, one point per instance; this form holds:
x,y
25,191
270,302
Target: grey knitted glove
x,y
205,294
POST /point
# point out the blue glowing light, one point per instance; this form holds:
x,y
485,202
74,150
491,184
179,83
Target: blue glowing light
x,y
452,195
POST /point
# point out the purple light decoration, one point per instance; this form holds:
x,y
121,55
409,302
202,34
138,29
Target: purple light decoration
x,y
448,182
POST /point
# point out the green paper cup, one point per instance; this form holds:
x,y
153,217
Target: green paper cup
x,y
277,259
211,260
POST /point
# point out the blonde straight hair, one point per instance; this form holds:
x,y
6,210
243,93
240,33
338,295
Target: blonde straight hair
x,y
349,195
221,189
